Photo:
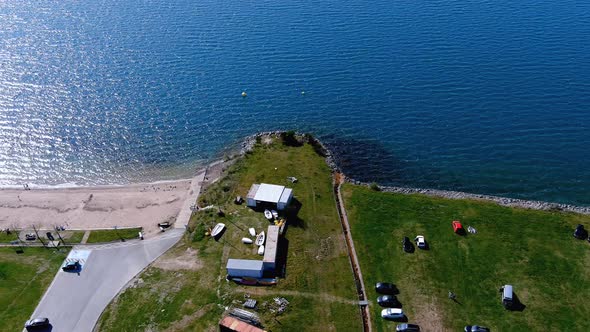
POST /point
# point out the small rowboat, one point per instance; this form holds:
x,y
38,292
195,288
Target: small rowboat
x,y
252,231
217,229
268,214
275,214
260,239
246,240
261,250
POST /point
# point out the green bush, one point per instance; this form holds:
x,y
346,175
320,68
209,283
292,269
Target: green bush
x,y
374,186
290,139
199,233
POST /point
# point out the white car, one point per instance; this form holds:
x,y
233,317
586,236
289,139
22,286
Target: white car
x,y
420,242
392,313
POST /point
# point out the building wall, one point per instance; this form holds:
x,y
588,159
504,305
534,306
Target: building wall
x,y
251,202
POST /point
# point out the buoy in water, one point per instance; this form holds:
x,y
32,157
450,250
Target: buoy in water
x,y
302,92
244,94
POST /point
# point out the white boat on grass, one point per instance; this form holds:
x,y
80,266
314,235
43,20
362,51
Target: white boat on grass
x,y
260,239
252,231
261,250
217,229
246,240
268,214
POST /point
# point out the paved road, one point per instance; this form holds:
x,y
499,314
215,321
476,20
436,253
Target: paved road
x,y
74,302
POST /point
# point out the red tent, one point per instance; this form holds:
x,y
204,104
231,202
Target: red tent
x,y
457,227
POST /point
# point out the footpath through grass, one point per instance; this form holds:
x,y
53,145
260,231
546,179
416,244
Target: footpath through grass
x,y
532,250
110,235
186,290
23,281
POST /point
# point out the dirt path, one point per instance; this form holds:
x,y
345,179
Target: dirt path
x,y
321,296
354,262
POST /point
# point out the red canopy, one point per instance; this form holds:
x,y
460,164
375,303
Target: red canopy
x,y
457,227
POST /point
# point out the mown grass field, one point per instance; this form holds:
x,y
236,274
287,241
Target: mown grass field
x,y
532,250
186,289
110,235
23,281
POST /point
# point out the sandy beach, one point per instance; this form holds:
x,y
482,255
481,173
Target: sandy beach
x,y
85,208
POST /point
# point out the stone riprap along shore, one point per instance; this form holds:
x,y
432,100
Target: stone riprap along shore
x,y
250,141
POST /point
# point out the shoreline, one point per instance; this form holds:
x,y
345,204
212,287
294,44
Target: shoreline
x,y
85,208
247,143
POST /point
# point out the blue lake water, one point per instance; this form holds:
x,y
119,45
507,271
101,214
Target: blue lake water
x,y
480,96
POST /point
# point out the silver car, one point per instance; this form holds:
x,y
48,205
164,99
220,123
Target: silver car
x,y
392,313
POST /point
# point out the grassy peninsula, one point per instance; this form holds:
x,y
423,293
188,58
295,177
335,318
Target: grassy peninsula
x,y
186,290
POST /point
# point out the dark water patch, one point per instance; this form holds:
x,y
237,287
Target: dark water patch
x,y
367,160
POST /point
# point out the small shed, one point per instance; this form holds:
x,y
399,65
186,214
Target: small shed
x,y
272,194
271,248
244,268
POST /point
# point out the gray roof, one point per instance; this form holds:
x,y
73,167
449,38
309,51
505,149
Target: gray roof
x,y
269,193
244,264
286,195
271,247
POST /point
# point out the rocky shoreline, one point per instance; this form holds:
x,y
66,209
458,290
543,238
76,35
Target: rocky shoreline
x,y
250,141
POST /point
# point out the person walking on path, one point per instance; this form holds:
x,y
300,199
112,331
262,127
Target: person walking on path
x,y
452,296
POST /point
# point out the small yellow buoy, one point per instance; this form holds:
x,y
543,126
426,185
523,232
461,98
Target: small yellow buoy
x,y
244,94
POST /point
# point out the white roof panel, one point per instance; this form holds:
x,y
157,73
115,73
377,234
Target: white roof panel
x,y
244,264
286,195
269,193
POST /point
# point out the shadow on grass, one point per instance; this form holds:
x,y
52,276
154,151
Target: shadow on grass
x,y
218,237
292,212
403,319
282,254
457,301
516,304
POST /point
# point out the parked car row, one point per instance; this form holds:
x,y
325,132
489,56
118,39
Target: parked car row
x,y
419,240
392,306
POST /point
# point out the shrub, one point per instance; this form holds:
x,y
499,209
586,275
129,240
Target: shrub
x,y
374,186
199,233
290,139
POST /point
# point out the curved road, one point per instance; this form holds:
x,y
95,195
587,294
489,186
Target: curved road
x,y
75,301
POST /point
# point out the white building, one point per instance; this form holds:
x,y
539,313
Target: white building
x,y
271,194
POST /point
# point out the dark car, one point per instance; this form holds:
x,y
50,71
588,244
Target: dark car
x,y
37,323
71,266
388,301
476,328
50,236
407,244
405,327
580,232
385,288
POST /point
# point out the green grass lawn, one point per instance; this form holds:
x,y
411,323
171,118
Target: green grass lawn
x,y
111,235
23,280
72,236
5,238
532,250
191,297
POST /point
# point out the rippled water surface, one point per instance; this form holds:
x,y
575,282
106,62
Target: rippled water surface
x,y
481,96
